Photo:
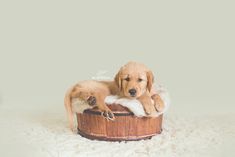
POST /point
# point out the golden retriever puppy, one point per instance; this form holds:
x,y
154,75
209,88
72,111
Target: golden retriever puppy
x,y
135,81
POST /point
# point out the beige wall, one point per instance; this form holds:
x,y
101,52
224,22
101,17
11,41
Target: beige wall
x,y
47,46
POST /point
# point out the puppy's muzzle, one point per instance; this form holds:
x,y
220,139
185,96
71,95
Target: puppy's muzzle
x,y
132,92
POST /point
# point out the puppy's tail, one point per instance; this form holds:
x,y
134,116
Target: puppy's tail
x,y
69,109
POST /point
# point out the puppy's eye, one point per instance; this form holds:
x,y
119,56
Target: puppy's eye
x,y
127,79
140,80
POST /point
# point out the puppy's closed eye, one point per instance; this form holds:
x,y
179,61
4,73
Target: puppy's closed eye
x,y
127,79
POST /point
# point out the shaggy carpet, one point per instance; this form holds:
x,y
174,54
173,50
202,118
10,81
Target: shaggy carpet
x,y
44,132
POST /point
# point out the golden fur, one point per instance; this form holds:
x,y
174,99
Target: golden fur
x,y
137,76
134,80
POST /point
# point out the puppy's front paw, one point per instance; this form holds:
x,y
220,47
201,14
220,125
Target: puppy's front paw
x,y
108,114
159,107
148,106
149,110
158,103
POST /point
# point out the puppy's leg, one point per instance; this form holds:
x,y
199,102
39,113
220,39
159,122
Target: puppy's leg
x,y
147,103
84,95
105,111
94,98
158,102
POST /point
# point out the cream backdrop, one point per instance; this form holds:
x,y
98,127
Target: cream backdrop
x,y
46,46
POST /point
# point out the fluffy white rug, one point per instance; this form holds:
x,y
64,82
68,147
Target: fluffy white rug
x,y
43,132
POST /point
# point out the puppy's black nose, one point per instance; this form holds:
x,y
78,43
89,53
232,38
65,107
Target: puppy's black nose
x,y
132,92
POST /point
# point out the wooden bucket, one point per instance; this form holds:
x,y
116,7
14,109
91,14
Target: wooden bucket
x,y
126,126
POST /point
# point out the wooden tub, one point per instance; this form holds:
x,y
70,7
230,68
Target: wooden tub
x,y
126,126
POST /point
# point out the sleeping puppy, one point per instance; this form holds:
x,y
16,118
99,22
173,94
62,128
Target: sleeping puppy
x,y
134,81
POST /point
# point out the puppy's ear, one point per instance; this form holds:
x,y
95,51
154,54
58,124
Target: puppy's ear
x,y
150,78
118,80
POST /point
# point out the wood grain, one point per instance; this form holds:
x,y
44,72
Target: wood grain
x,y
125,127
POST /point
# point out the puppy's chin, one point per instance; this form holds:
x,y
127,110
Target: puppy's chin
x,y
132,97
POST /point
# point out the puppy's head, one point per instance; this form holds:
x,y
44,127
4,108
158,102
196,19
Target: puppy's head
x,y
134,79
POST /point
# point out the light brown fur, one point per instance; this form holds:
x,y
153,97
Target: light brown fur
x,y
139,77
90,88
